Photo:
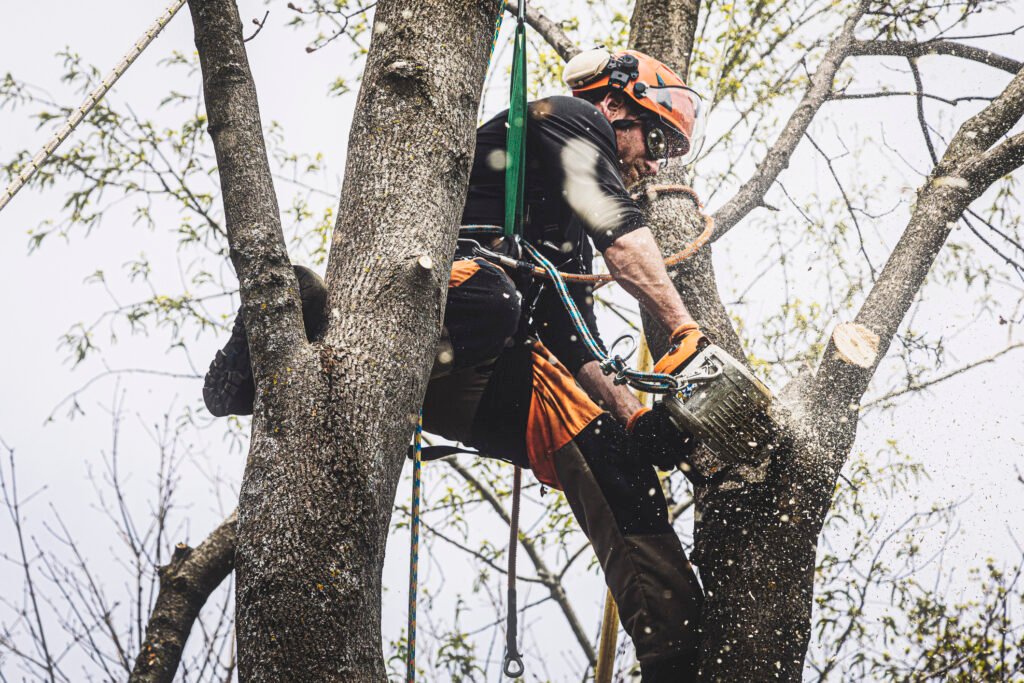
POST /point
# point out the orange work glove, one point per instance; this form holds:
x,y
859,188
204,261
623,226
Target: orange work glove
x,y
687,340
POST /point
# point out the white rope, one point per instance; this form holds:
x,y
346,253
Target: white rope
x,y
90,101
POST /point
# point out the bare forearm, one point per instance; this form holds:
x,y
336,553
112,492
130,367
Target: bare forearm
x,y
615,398
635,262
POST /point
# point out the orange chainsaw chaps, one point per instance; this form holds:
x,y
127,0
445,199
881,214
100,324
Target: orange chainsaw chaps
x,y
559,410
461,271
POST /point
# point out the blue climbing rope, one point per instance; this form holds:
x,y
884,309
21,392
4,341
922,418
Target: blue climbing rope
x,y
651,382
414,550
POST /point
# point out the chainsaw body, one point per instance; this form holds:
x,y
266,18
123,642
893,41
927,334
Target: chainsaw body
x,y
726,407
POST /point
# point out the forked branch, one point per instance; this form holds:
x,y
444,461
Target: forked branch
x,y
974,159
185,584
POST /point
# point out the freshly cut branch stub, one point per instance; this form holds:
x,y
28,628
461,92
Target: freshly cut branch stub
x,y
855,344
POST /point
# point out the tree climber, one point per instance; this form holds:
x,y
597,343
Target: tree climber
x,y
512,377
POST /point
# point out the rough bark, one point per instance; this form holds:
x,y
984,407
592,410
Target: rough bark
x,y
270,300
185,584
332,419
665,30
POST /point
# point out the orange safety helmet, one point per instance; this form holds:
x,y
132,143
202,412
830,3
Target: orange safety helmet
x,y
647,82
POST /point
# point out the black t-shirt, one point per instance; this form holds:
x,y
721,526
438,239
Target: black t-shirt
x,y
574,195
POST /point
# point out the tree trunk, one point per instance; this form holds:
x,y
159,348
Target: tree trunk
x,y
332,419
756,531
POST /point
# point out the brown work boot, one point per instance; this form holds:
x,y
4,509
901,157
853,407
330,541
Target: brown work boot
x,y
229,388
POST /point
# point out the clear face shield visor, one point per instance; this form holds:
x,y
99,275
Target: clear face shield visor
x,y
679,107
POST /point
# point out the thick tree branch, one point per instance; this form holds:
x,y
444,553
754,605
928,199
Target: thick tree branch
x,y
326,455
547,577
912,49
549,30
665,29
751,193
269,295
965,171
185,584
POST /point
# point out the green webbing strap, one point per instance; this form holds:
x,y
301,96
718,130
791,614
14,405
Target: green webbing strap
x,y
515,149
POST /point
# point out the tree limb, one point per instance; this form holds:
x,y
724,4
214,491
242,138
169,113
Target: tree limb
x,y
751,193
548,578
185,584
549,30
270,301
913,49
967,168
665,30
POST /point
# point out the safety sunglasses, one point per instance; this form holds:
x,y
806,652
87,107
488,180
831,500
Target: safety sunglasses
x,y
660,146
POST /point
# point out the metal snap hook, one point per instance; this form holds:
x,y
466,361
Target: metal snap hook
x,y
627,337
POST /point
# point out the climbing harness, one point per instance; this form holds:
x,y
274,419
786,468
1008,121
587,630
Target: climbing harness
x,y
77,115
651,382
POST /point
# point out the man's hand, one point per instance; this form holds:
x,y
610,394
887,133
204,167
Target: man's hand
x,y
636,263
657,440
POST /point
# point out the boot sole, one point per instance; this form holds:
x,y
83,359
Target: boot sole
x,y
228,388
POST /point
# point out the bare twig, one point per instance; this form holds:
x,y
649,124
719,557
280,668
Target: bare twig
x,y
548,578
915,386
9,491
260,23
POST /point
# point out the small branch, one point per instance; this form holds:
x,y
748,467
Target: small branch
x,y
919,386
900,93
751,193
913,50
548,578
919,87
185,584
549,30
260,23
847,202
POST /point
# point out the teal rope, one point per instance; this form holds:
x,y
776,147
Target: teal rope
x,y
650,382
